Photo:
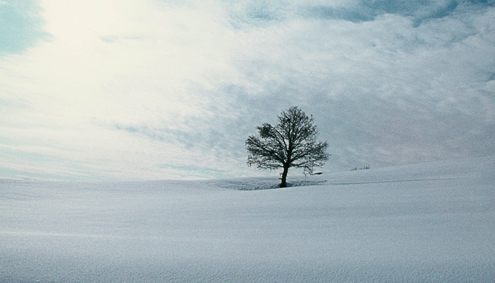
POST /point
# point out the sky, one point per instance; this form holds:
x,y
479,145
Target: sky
x,y
108,90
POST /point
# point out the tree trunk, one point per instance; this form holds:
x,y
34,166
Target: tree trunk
x,y
283,184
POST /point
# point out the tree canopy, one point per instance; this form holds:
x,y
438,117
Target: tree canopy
x,y
291,143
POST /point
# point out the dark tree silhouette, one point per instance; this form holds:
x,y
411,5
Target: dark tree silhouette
x,y
291,143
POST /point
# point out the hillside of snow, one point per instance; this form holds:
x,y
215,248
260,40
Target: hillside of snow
x,y
432,222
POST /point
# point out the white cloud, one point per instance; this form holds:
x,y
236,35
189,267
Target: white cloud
x,y
411,93
152,89
70,86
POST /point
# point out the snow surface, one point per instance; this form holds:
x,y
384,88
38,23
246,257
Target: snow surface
x,y
431,222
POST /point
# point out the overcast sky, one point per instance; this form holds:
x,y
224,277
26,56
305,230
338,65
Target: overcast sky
x,y
169,89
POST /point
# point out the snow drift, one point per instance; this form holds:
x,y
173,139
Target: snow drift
x,y
430,222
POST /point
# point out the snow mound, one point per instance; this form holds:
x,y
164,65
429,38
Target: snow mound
x,y
432,222
252,184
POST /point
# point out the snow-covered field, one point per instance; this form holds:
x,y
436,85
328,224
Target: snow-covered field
x,y
431,222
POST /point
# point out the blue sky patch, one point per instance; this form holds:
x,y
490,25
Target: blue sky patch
x,y
20,26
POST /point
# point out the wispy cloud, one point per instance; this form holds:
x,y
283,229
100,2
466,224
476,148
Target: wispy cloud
x,y
171,89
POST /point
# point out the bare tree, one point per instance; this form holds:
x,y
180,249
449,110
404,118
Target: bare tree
x,y
291,143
